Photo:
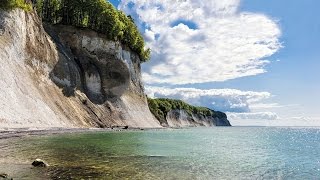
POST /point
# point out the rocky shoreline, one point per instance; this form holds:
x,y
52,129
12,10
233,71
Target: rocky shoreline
x,y
24,132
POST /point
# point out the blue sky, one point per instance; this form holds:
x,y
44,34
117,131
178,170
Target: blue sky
x,y
295,76
294,80
266,85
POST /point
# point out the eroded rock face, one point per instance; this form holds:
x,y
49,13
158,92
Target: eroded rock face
x,y
105,69
27,55
180,118
61,76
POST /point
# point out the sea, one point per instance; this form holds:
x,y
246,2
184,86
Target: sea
x,y
190,153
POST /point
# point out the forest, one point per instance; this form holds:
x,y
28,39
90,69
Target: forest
x,y
98,15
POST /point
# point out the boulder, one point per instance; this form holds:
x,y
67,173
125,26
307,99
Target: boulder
x,y
40,163
3,175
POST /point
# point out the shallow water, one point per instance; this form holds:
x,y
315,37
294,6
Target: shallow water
x,y
197,153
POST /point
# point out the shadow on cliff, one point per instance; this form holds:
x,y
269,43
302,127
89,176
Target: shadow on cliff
x,y
97,73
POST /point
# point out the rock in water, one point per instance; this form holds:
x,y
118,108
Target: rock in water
x,y
39,163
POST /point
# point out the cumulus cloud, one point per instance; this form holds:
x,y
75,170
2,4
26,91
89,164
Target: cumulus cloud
x,y
203,41
227,100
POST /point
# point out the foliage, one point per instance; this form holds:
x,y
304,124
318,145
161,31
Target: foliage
x,y
11,4
160,108
98,15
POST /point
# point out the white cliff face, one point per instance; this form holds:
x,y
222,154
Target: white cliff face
x,y
98,44
93,83
44,83
180,118
22,104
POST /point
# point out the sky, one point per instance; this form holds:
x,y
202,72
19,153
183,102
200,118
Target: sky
x,y
258,61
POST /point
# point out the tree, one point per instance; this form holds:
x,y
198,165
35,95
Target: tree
x,y
10,4
98,15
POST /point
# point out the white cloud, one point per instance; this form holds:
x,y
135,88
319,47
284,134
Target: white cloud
x,y
226,44
243,108
253,116
261,106
266,105
227,100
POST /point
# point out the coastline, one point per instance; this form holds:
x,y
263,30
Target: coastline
x,y
24,132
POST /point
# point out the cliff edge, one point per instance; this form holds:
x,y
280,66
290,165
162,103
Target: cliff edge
x,y
62,76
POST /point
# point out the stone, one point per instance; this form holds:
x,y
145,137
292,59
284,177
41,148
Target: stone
x,y
3,175
40,163
119,127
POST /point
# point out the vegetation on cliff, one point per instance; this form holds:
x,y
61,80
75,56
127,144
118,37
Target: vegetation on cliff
x,y
98,15
160,108
10,4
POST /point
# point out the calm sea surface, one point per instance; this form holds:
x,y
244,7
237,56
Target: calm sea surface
x,y
196,153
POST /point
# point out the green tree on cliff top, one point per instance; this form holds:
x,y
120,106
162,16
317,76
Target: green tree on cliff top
x,y
98,15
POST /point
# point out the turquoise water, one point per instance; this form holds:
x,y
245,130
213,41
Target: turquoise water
x,y
199,153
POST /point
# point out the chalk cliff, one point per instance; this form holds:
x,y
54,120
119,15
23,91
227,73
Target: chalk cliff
x,y
180,118
61,76
177,113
